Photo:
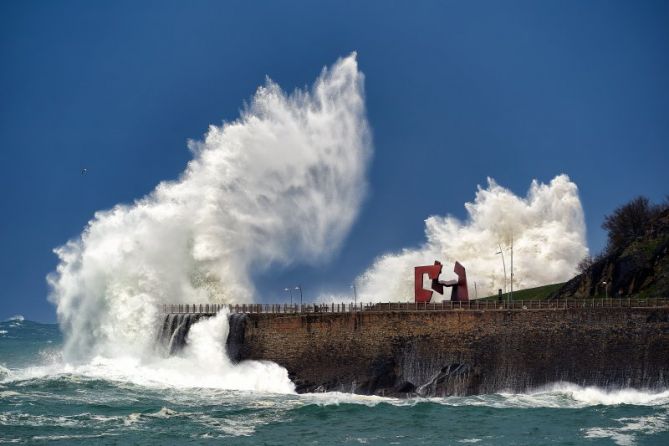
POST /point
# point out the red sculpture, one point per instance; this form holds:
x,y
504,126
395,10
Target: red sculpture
x,y
459,285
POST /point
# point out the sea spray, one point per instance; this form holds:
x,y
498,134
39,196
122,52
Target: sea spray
x,y
281,184
546,227
202,363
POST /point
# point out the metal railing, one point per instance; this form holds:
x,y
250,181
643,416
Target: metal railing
x,y
472,305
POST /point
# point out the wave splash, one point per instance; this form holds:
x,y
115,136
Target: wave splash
x,y
281,184
203,363
547,228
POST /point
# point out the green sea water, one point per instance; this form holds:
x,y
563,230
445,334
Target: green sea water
x,y
43,401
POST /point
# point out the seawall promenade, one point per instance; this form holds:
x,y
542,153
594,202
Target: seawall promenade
x,y
463,352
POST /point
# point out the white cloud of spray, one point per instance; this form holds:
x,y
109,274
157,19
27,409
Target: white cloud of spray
x,y
281,184
548,233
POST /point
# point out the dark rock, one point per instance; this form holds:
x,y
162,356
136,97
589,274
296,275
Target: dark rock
x,y
405,387
639,269
235,341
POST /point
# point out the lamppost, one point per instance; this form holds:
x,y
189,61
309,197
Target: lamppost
x,y
501,251
606,290
288,290
355,294
511,296
299,287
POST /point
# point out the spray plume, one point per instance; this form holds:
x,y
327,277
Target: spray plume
x,y
547,228
281,184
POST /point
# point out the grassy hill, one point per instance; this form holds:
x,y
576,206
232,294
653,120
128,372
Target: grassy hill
x,y
538,293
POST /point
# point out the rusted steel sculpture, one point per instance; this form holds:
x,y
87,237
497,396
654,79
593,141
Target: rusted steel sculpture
x,y
433,272
459,292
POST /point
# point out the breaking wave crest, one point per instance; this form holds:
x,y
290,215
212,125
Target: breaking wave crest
x,y
558,395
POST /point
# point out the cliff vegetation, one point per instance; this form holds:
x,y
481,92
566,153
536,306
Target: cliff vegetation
x,y
635,261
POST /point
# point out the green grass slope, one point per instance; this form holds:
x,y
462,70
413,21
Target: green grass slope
x,y
537,293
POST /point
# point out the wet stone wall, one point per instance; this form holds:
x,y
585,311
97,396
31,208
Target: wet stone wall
x,y
463,352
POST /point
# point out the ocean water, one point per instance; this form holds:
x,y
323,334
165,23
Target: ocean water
x,y
43,400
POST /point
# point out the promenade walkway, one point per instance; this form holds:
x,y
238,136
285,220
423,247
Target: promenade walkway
x,y
472,305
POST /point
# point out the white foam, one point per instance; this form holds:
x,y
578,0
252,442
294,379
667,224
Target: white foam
x,y
337,398
630,429
547,228
70,437
8,393
164,412
559,395
202,364
592,396
280,185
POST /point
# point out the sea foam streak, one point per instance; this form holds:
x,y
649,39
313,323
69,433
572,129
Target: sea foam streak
x,y
547,229
281,184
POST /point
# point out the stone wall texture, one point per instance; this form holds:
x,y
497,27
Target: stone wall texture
x,y
463,352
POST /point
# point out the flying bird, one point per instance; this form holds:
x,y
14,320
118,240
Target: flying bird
x,y
84,171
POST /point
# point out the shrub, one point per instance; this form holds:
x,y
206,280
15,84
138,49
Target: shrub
x,y
629,222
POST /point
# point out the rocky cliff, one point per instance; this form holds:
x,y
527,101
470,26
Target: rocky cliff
x,y
640,268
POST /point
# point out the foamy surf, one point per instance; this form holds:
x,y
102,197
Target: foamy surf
x,y
558,396
561,396
202,365
91,402
627,431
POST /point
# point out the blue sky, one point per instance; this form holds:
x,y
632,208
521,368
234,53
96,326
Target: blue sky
x,y
512,90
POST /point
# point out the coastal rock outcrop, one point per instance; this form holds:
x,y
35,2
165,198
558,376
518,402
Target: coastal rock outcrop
x,y
639,268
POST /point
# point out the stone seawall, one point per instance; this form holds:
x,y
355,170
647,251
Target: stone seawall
x,y
463,352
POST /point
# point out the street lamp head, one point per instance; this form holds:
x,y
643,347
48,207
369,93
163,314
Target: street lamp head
x,y
298,288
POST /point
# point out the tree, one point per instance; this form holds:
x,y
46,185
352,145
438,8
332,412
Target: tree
x,y
585,264
629,222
